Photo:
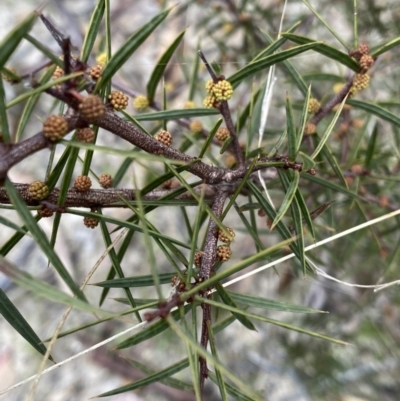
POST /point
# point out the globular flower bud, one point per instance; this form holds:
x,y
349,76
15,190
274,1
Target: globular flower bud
x,y
363,48
141,102
101,59
118,100
230,161
313,106
45,212
222,134
310,129
224,253
170,184
106,181
189,105
209,86
96,71
338,87
196,126
178,283
227,27
38,190
85,135
357,123
82,183
90,222
92,107
197,258
226,238
366,62
58,73
164,137
360,82
210,101
222,90
55,127
357,169
384,201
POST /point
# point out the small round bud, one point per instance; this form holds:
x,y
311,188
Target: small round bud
x,y
175,184
106,181
175,280
38,190
90,222
96,71
85,135
118,100
189,105
209,102
310,129
244,17
338,87
169,87
226,238
261,212
178,283
224,253
227,27
363,48
58,73
92,107
222,90
222,134
209,86
366,62
343,128
313,106
141,102
230,161
55,127
360,82
45,212
82,183
383,201
166,184
196,127
357,169
164,137
197,258
357,123
101,59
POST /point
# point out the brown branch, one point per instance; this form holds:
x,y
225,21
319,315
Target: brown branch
x,y
98,197
204,342
226,114
208,258
208,261
333,102
12,154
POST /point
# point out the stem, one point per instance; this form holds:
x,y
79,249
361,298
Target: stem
x,y
226,114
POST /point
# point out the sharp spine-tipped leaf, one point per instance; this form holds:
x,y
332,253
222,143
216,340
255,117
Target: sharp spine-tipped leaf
x,y
129,47
15,318
326,50
161,66
287,200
